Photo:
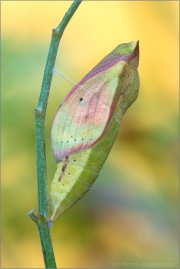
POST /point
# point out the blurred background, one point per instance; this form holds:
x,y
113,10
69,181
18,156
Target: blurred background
x,y
129,218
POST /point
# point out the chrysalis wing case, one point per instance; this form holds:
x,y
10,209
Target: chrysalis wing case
x,y
87,123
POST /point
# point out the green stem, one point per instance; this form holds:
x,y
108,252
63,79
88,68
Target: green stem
x,y
40,112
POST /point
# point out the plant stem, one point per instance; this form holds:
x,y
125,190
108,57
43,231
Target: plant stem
x,y
40,112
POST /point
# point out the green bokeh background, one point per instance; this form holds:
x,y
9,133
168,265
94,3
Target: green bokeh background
x,y
129,218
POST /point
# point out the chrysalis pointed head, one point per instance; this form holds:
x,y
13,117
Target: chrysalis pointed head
x,y
128,52
134,62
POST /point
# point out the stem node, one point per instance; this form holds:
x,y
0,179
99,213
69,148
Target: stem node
x,y
32,216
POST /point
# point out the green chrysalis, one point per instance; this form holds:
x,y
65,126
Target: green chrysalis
x,y
87,123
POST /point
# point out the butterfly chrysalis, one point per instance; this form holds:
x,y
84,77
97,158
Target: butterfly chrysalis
x,y
87,123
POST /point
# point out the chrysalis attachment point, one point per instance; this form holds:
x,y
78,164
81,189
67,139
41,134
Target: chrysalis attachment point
x,y
69,80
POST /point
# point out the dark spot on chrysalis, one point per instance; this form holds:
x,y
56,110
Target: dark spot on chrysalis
x,y
69,173
74,139
82,139
86,117
64,167
59,178
81,99
67,141
74,160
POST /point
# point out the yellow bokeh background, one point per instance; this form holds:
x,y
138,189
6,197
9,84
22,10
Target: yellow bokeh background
x,y
129,218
